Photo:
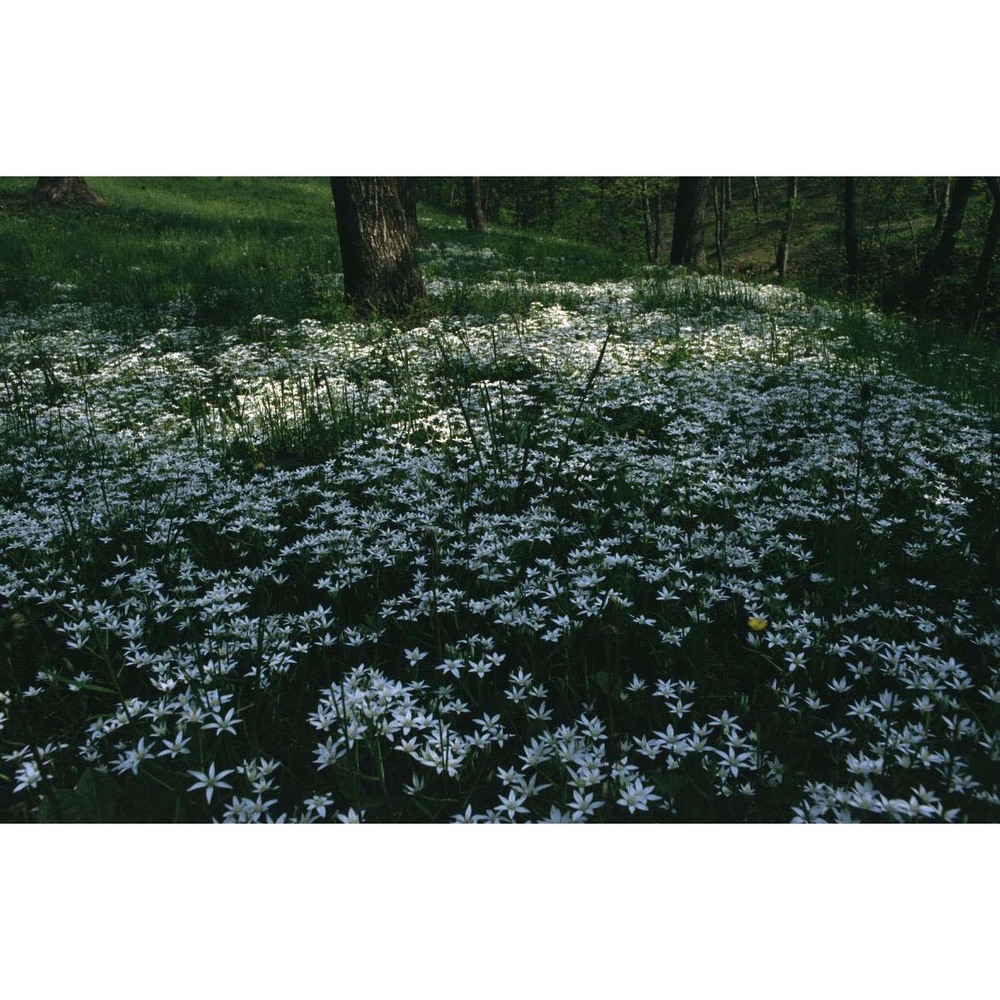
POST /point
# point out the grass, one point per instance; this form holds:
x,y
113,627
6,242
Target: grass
x,y
215,250
584,543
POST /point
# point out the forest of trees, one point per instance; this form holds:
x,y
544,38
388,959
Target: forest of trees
x,y
923,245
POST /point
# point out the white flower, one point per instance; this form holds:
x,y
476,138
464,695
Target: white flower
x,y
209,780
27,776
635,795
318,804
583,805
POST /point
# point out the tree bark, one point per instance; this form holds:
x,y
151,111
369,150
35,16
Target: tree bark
x,y
525,213
687,246
652,218
943,202
781,257
722,194
940,261
492,201
852,239
57,191
981,284
408,199
381,275
475,218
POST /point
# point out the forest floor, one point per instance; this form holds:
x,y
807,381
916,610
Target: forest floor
x,y
639,546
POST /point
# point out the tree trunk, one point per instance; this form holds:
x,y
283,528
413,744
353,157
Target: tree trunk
x,y
475,218
55,191
939,262
943,202
781,257
381,275
524,203
687,246
657,223
408,199
722,194
981,285
490,200
652,219
852,239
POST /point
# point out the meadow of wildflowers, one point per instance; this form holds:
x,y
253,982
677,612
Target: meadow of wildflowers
x,y
656,550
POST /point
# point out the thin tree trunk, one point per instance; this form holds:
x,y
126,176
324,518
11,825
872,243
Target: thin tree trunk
x,y
756,201
381,275
525,211
943,202
852,239
475,219
781,257
647,222
687,246
940,261
56,191
652,218
658,222
981,285
492,202
722,195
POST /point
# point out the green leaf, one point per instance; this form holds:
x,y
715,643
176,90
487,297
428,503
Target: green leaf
x,y
93,800
58,806
45,811
97,797
85,685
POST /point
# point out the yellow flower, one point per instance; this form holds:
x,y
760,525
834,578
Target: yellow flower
x,y
757,624
260,466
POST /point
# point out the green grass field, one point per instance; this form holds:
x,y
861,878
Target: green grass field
x,y
584,540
